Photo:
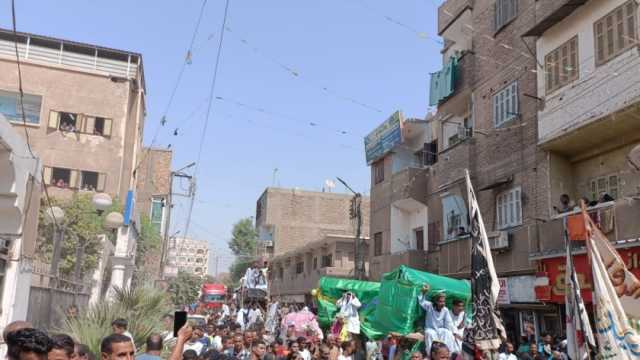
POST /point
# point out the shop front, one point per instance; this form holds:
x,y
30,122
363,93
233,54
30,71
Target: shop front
x,y
524,316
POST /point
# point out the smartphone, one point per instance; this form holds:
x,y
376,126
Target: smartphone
x,y
179,320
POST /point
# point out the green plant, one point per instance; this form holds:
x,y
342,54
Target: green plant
x,y
143,307
243,244
184,288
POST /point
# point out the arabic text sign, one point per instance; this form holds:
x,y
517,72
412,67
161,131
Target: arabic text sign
x,y
384,138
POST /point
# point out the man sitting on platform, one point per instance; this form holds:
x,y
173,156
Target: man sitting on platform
x,y
438,325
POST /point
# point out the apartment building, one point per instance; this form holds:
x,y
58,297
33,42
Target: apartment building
x,y
293,273
83,113
400,153
288,219
84,107
19,207
191,256
588,122
153,193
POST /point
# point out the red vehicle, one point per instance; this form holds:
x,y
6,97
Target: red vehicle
x,y
212,296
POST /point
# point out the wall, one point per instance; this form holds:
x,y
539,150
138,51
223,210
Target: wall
x,y
458,35
599,90
299,217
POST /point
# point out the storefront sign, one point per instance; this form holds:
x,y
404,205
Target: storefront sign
x,y
384,138
503,295
555,268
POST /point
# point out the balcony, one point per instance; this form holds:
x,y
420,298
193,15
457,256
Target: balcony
x,y
618,220
599,109
550,12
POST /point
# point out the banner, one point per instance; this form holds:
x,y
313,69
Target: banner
x,y
486,332
384,138
616,294
579,334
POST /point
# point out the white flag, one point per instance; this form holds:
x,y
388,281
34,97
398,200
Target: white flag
x,y
616,339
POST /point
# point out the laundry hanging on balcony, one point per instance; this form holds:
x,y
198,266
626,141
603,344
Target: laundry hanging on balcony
x,y
443,82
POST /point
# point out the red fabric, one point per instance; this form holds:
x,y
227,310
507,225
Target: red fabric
x,y
576,228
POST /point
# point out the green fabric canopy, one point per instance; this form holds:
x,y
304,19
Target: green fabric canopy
x,y
390,306
398,309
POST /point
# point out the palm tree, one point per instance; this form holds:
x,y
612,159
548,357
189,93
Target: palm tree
x,y
142,306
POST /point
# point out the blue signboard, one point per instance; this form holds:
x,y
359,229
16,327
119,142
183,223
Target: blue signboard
x,y
384,138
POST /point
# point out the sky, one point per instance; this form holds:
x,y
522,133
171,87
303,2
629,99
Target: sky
x,y
301,83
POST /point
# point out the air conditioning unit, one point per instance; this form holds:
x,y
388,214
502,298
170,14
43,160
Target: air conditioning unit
x,y
499,240
463,133
267,243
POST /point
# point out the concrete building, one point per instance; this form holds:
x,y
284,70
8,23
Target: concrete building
x,y
84,108
191,256
588,122
294,273
20,187
287,219
153,195
399,214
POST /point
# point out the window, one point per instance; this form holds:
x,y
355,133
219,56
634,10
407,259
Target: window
x,y
615,32
455,222
200,251
88,180
157,213
74,179
280,272
11,109
300,267
315,263
604,185
561,65
505,104
327,260
61,177
509,208
377,244
72,122
419,235
506,10
199,260
378,171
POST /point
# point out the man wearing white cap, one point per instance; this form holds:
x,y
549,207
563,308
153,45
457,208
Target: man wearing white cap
x,y
438,325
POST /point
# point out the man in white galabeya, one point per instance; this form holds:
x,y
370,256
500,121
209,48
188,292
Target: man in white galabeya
x,y
438,324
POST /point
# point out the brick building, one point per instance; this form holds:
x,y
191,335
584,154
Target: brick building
x,y
191,256
287,219
295,272
153,195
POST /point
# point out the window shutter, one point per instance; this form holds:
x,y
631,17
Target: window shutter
x,y
54,119
89,124
80,122
102,182
46,174
498,8
74,178
108,124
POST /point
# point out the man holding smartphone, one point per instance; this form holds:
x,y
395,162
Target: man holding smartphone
x,y
349,305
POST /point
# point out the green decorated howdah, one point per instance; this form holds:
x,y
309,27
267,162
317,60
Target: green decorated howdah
x,y
390,306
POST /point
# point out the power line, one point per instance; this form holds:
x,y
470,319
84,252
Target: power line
x,y
208,116
186,61
24,119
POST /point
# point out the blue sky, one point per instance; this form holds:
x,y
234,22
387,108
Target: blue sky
x,y
351,47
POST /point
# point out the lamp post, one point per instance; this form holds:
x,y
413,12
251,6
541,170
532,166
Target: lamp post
x,y
55,216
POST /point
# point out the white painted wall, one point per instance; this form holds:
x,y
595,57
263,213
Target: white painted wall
x,y
460,33
598,91
402,224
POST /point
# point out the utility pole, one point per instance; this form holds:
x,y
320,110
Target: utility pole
x,y
169,203
355,212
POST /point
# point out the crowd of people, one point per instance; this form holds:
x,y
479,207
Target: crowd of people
x,y
253,333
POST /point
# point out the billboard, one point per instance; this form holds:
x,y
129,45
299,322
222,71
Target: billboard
x,y
384,138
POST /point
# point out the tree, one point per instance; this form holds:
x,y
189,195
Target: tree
x,y
184,288
142,306
243,245
82,224
148,246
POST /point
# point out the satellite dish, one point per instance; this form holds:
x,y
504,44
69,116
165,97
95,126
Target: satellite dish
x,y
329,185
634,157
